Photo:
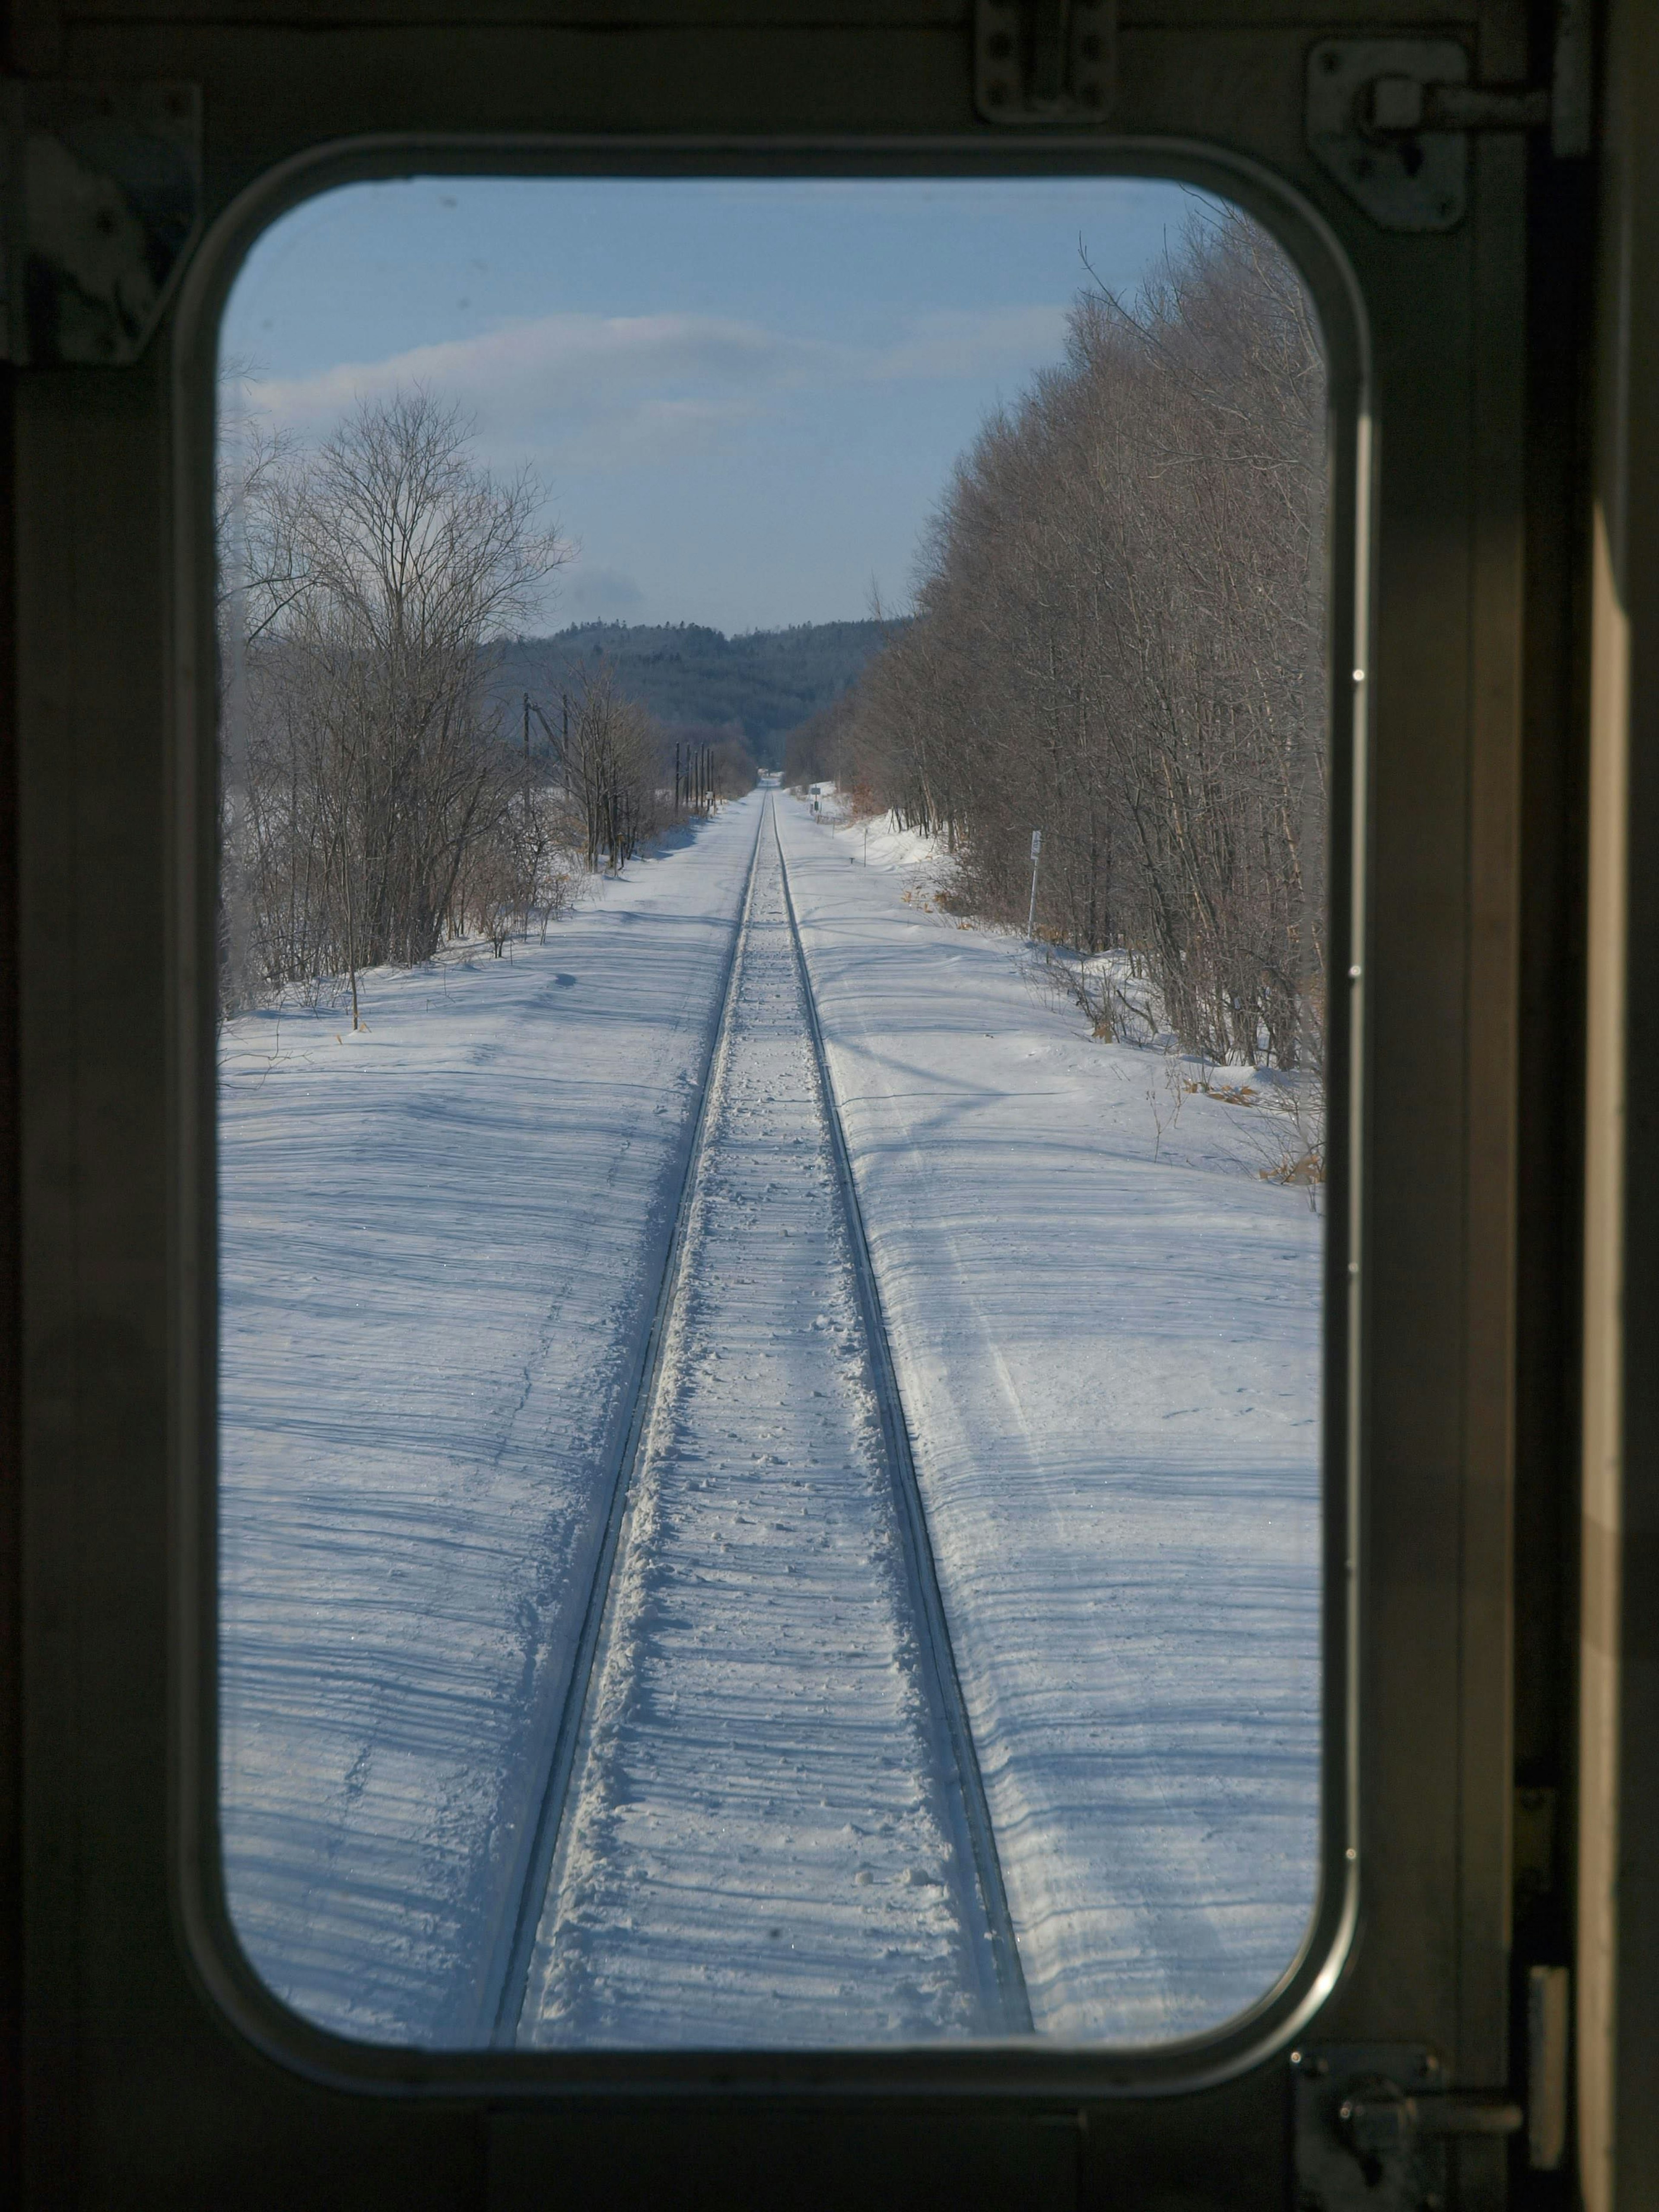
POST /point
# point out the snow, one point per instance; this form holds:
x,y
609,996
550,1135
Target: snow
x,y
1110,1367
440,1251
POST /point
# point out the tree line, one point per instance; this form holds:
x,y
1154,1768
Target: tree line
x,y
752,687
1118,638
377,794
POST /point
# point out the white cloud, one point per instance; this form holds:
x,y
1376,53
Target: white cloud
x,y
567,364
631,390
953,342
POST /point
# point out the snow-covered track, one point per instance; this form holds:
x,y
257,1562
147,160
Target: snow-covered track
x,y
944,1680
764,1819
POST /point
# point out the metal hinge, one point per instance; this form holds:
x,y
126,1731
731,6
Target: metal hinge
x,y
102,199
1372,2124
1045,61
1390,118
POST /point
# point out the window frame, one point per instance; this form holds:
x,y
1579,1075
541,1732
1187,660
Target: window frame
x,y
1020,2069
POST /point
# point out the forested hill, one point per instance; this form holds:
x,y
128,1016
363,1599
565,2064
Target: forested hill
x,y
767,680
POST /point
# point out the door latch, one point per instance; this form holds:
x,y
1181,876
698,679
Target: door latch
x,y
1044,61
1372,2124
1389,118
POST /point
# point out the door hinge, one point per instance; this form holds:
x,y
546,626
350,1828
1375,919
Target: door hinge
x,y
1045,61
1372,2124
1389,118
102,199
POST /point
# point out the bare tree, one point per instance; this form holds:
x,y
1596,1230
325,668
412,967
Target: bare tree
x,y
1119,639
375,764
609,754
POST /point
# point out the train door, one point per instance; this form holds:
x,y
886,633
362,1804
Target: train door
x,y
1432,184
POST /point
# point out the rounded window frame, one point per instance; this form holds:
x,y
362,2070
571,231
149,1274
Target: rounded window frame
x,y
1029,2068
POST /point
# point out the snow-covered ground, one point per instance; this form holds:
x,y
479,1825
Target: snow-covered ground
x,y
439,1245
758,1848
1110,1367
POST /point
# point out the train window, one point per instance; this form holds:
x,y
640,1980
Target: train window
x,y
779,1408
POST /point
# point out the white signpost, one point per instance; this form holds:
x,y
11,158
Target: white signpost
x,y
1030,919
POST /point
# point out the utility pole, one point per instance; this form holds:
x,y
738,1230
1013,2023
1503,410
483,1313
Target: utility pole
x,y
1030,919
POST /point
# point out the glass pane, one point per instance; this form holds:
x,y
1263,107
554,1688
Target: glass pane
x,y
771,1137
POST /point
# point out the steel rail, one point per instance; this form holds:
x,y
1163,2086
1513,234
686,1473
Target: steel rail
x,y
1006,1985
512,1977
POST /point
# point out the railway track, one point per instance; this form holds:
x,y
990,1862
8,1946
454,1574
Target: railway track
x,y
944,1681
763,1818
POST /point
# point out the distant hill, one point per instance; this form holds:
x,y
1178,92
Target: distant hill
x,y
765,681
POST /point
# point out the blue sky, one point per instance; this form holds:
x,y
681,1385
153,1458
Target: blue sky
x,y
744,398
